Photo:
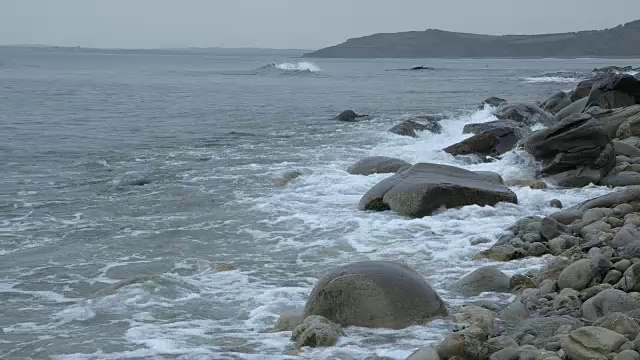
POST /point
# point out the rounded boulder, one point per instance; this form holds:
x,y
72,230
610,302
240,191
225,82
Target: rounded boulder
x,y
375,294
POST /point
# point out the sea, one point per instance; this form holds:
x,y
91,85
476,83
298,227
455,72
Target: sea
x,y
143,213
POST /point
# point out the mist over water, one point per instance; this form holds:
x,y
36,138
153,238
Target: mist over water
x,y
129,177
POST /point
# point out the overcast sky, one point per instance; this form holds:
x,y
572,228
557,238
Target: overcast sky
x,y
287,23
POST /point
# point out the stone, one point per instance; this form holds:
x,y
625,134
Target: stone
x,y
484,279
612,277
575,108
520,130
556,102
515,312
377,165
286,178
504,252
620,323
552,228
510,353
630,127
316,331
543,328
521,282
625,149
576,151
627,355
576,276
525,114
425,188
615,91
375,294
548,286
627,195
493,142
479,240
607,302
553,268
475,316
555,203
534,184
612,119
624,178
622,265
537,249
349,116
409,127
289,320
491,176
427,353
498,343
591,342
493,102
625,236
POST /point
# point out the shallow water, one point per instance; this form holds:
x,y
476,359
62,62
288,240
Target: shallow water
x,y
154,167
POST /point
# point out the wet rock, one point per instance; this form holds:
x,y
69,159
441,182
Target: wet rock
x,y
591,342
289,320
556,102
534,184
501,342
555,203
480,240
492,142
316,331
491,176
622,265
286,178
553,268
504,252
484,279
376,294
624,178
525,114
607,302
620,323
469,343
377,165
515,312
427,353
409,127
629,195
349,116
520,130
493,101
425,188
567,299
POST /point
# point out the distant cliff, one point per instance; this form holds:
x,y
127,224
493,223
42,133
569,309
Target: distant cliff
x,y
621,41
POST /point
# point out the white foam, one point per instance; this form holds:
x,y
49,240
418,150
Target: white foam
x,y
552,79
299,66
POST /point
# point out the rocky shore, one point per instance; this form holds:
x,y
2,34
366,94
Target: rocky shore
x,y
585,301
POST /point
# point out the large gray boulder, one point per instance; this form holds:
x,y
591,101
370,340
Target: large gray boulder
x,y
556,102
525,114
493,142
375,294
575,108
484,279
349,116
424,188
612,119
574,152
377,165
629,128
615,91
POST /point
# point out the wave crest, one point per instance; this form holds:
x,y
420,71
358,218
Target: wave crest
x,y
297,67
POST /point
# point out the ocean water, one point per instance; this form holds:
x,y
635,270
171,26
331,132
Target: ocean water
x,y
127,177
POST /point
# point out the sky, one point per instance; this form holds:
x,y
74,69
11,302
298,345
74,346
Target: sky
x,y
301,24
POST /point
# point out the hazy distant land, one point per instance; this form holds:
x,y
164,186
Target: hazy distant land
x,y
621,41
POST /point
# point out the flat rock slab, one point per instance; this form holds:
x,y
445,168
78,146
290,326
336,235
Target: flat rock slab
x,y
377,165
425,188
